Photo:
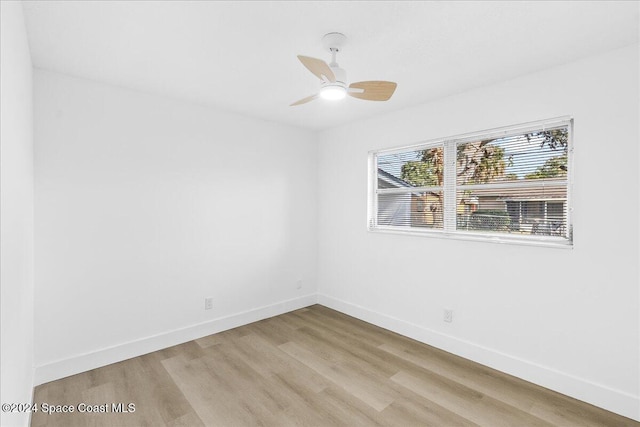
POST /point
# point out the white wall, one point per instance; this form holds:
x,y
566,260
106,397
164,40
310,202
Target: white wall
x,y
147,205
566,319
16,212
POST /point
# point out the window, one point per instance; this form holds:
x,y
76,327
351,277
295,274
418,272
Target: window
x,y
505,185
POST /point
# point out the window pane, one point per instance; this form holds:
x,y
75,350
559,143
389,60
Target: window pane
x,y
517,211
506,185
524,157
424,210
420,168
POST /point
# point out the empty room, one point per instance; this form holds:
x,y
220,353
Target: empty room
x,y
320,213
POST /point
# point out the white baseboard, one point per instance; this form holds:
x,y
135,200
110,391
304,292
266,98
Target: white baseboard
x,y
95,359
599,395
613,400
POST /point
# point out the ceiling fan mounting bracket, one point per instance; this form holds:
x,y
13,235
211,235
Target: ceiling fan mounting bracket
x,y
333,42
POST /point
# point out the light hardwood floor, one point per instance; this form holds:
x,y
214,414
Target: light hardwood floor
x,y
313,367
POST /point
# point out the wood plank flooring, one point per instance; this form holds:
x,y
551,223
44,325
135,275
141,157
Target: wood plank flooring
x,y
310,367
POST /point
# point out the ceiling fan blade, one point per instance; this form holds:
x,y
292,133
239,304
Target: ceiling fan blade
x,y
375,90
304,100
318,67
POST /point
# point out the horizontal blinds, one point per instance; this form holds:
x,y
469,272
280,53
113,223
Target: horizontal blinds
x,y
532,156
410,188
420,210
514,184
510,183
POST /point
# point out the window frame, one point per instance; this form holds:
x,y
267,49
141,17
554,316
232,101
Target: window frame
x,y
449,187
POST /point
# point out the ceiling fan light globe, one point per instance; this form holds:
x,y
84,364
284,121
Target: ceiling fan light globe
x,y
333,93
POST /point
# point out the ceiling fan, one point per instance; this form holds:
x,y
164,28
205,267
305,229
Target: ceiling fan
x,y
334,79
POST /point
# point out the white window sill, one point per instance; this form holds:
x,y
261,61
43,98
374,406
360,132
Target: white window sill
x,y
500,238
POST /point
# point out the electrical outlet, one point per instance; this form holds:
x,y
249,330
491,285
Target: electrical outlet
x,y
448,315
208,303
299,284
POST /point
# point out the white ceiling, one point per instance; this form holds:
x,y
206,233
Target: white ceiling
x,y
241,56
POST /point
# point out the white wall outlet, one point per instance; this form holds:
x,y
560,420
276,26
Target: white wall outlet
x,y
208,303
299,284
448,315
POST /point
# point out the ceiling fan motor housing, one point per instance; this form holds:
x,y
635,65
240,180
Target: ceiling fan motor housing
x,y
337,89
340,74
